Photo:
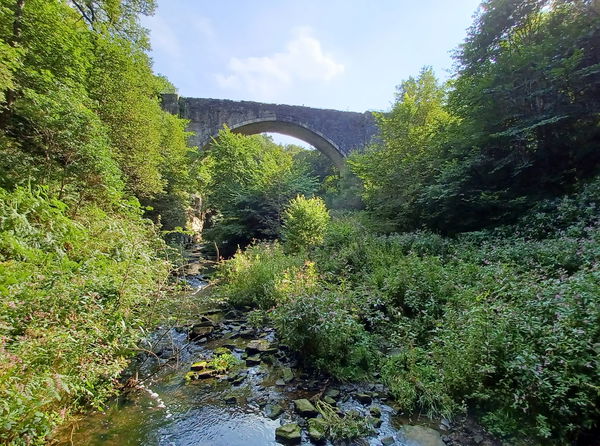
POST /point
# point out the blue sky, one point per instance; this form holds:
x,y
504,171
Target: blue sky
x,y
346,55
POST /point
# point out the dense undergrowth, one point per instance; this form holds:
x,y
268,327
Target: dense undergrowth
x,y
77,292
505,322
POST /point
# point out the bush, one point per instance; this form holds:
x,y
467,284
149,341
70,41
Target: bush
x,y
75,292
251,277
304,223
506,322
324,328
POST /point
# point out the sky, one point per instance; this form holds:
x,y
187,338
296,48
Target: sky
x,y
341,54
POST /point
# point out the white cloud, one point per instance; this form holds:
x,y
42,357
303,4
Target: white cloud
x,y
263,77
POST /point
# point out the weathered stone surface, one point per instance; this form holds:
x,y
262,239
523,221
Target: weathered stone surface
x,y
202,374
199,331
273,411
333,393
421,436
375,411
201,365
305,408
258,346
387,441
288,433
335,133
317,429
253,360
329,400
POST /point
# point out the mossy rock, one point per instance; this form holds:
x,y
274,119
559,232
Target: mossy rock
x,y
273,411
200,365
288,374
375,411
329,400
317,429
305,408
333,393
288,433
222,351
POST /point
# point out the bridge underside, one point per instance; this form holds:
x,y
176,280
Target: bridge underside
x,y
319,142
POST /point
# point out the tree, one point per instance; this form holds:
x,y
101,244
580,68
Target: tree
x,y
413,137
248,181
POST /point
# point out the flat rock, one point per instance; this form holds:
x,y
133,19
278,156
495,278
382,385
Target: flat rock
x,y
199,331
288,433
375,411
246,334
329,400
258,346
333,393
253,360
273,411
387,441
305,408
200,365
421,436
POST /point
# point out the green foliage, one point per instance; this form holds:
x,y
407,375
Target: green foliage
x,y
247,181
413,136
505,321
304,223
223,361
324,327
82,137
250,277
84,116
518,124
75,293
350,427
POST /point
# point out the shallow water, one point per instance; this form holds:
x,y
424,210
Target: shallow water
x,y
167,410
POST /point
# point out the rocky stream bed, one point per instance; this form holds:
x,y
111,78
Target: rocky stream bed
x,y
222,382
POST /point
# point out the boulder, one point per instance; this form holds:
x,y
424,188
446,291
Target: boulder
x,y
375,411
329,400
288,375
200,365
273,411
305,408
257,346
200,331
421,436
333,393
288,434
364,398
253,360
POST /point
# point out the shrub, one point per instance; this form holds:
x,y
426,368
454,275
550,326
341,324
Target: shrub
x,y
75,292
304,223
251,277
323,327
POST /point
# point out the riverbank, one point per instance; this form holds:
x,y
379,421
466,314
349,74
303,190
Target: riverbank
x,y
266,396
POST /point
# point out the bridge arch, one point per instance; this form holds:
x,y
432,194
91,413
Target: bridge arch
x,y
296,130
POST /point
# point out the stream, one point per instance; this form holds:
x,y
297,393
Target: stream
x,y
243,406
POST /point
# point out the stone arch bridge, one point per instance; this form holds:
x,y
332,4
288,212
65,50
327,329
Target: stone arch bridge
x,y
335,133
